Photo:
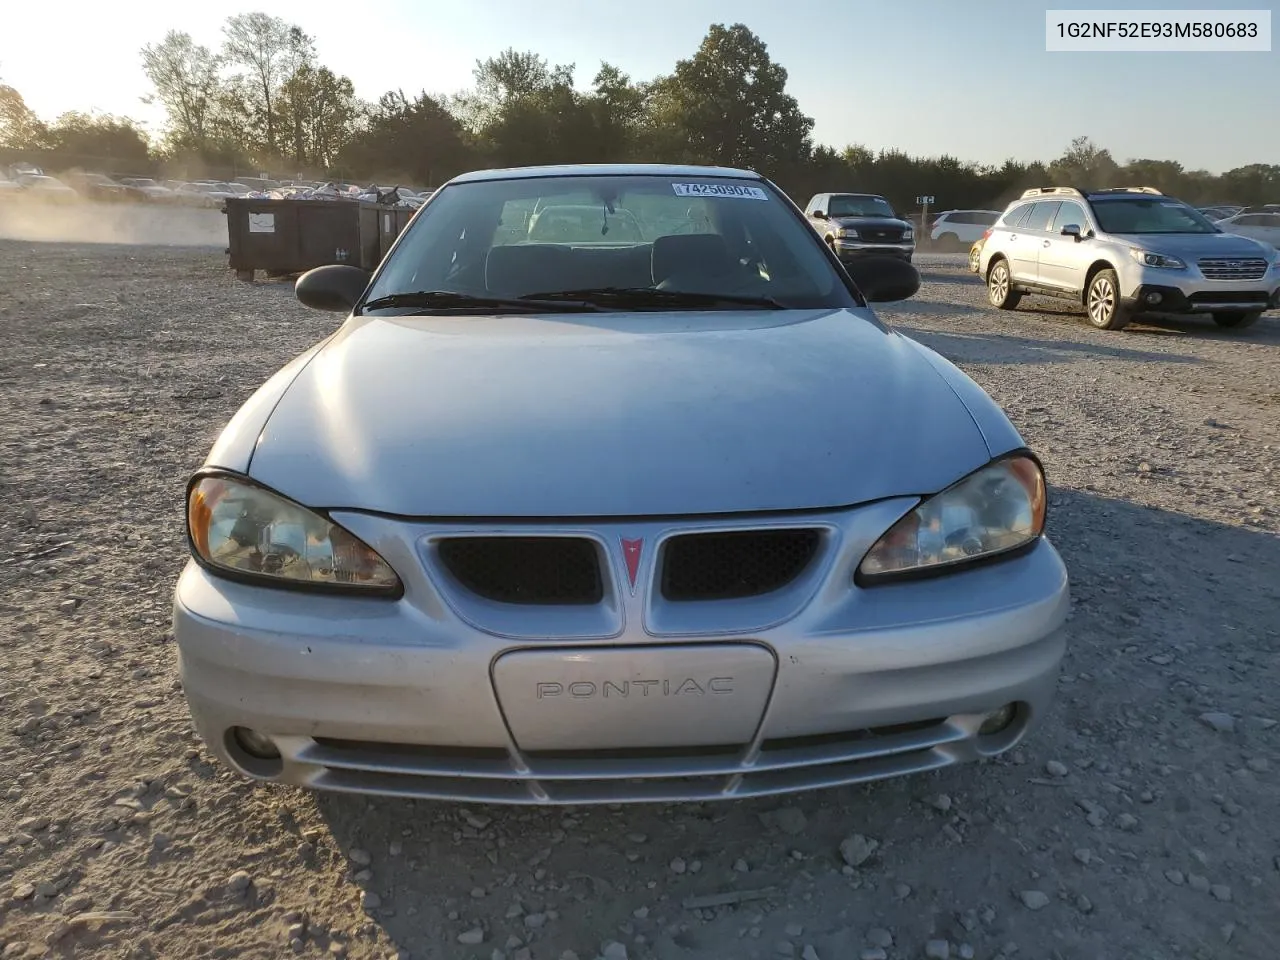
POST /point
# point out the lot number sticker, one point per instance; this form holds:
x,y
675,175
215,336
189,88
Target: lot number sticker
x,y
730,190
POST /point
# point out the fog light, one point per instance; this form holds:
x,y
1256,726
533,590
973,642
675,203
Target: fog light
x,y
1153,298
255,744
998,720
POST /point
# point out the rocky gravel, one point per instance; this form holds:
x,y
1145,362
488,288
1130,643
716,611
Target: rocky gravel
x,y
1138,823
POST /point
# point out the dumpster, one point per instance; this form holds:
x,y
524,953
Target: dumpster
x,y
391,222
285,237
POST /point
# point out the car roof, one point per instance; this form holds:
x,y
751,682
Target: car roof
x,y
605,170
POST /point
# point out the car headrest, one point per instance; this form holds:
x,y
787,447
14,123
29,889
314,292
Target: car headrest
x,y
690,254
518,269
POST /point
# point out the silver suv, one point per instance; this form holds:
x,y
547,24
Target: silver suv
x,y
1124,251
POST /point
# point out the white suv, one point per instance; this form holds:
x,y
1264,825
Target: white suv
x,y
1124,251
960,229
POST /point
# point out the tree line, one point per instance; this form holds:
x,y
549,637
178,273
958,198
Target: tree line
x,y
262,101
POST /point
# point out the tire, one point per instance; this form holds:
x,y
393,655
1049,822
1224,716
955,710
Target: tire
x,y
975,256
1237,319
1000,287
950,243
1102,302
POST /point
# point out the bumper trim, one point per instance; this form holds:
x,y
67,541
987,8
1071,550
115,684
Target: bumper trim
x,y
852,249
786,766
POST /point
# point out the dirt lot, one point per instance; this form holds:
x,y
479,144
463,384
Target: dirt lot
x,y
1139,823
91,222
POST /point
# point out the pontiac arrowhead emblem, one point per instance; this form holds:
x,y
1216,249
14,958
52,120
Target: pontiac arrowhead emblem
x,y
631,554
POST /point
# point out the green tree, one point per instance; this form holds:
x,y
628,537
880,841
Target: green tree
x,y
187,81
1252,184
269,50
1085,165
727,104
116,139
1167,176
618,108
317,112
19,126
418,140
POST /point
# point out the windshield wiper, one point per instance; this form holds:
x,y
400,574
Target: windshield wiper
x,y
449,300
631,297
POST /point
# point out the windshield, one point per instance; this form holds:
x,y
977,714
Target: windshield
x,y
1141,215
855,206
648,235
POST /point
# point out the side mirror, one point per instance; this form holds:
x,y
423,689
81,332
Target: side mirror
x,y
819,214
1072,230
334,286
884,279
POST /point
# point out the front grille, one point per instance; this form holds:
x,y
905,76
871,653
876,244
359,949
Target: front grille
x,y
1258,297
732,565
487,774
529,570
881,236
1228,268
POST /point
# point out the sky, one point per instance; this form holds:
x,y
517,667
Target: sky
x,y
972,80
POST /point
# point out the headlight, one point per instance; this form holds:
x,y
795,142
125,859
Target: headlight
x,y
848,233
994,510
247,531
908,234
1149,259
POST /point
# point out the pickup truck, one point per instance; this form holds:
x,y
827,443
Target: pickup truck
x,y
858,224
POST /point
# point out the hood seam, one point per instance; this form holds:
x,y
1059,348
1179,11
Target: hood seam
x,y
924,352
257,441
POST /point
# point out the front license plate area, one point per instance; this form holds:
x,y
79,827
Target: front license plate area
x,y
592,698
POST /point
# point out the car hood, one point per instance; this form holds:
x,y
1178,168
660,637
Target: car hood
x,y
872,223
617,414
1194,246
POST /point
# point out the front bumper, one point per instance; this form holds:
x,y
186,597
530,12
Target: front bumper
x,y
854,249
1154,298
1155,290
407,697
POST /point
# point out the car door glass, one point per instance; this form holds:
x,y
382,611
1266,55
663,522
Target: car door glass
x,y
1042,213
1014,217
1069,213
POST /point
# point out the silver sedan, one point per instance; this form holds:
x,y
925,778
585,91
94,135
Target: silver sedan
x,y
607,519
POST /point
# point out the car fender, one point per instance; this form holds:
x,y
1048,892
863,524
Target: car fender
x,y
234,447
998,431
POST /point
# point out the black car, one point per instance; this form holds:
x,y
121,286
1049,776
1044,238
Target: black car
x,y
860,224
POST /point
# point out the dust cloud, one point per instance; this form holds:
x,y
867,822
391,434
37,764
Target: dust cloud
x,y
126,223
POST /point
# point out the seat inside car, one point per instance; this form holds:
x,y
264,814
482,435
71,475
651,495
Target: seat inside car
x,y
693,255
519,269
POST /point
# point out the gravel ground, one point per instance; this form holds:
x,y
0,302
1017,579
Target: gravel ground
x,y
1138,823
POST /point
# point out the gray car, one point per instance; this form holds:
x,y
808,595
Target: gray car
x,y
611,519
856,225
1126,251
